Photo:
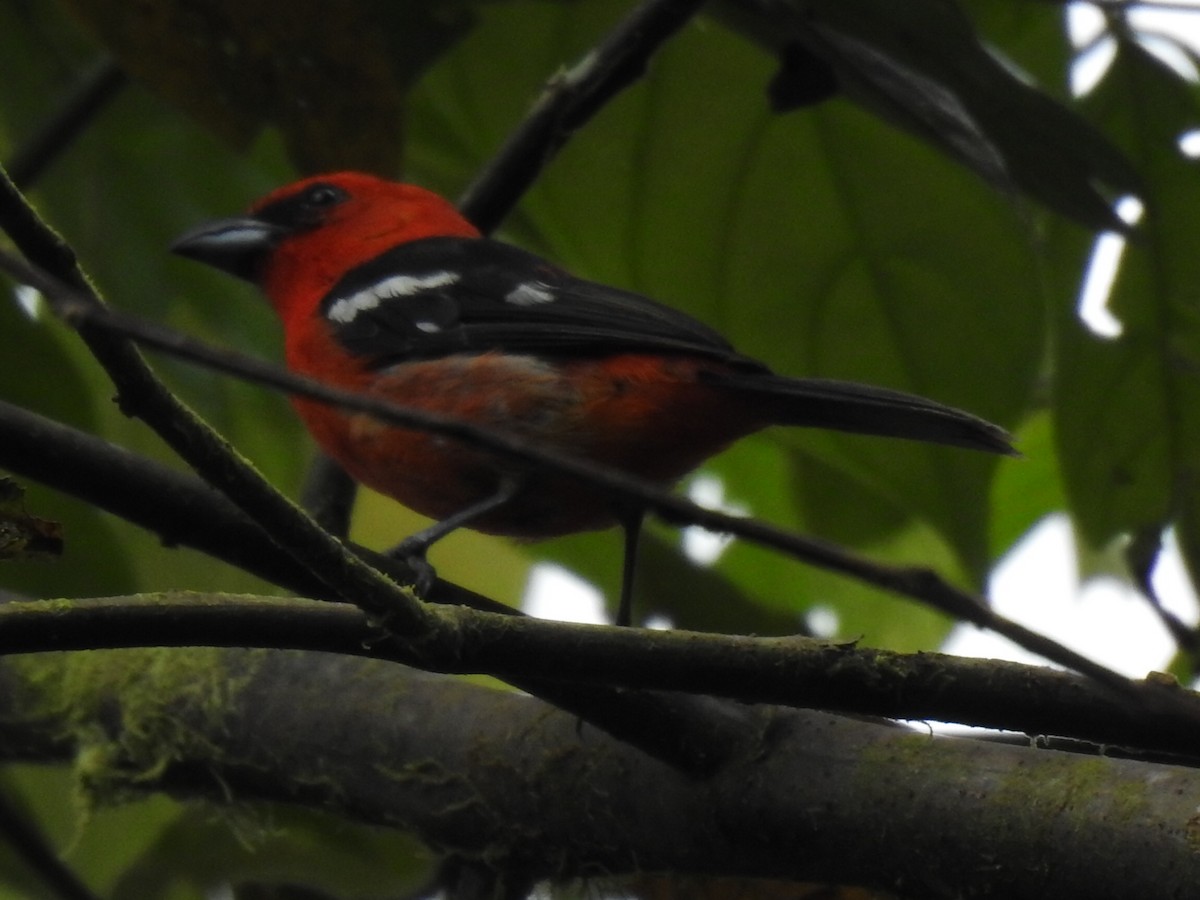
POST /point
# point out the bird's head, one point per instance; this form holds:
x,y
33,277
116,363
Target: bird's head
x,y
299,240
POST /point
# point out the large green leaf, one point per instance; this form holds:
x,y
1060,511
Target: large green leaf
x,y
1128,407
199,852
1032,35
921,66
97,844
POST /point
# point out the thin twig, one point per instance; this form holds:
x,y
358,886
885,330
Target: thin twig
x,y
177,506
77,112
917,583
31,846
568,101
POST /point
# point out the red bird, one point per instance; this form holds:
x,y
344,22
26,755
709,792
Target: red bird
x,y
386,289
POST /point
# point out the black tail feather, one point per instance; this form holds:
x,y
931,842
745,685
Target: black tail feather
x,y
860,408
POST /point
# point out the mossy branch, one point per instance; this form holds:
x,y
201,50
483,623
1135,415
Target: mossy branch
x,y
501,777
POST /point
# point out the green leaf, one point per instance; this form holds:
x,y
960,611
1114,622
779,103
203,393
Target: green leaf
x,y
96,844
1028,488
1128,408
1032,35
921,66
203,849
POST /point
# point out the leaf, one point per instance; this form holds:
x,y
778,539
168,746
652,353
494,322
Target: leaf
x,y
1026,489
202,850
96,844
1128,408
920,66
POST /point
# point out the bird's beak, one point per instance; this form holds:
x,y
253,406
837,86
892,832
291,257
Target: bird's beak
x,y
237,246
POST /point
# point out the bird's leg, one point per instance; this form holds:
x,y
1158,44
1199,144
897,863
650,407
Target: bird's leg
x,y
631,525
328,495
413,548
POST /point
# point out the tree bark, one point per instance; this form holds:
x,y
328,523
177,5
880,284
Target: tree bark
x,y
504,778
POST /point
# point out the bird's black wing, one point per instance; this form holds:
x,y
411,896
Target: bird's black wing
x,y
438,296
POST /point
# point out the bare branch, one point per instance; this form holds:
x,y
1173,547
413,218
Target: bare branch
x,y
791,671
570,99
180,508
31,847
328,495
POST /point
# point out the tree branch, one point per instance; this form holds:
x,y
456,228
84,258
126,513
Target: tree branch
x,y
499,777
180,508
185,511
328,495
569,100
799,672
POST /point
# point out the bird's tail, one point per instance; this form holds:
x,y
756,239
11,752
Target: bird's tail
x,y
860,408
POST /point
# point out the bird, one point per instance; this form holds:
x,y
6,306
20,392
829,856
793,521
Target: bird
x,y
385,288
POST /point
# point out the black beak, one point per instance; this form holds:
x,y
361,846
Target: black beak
x,y
237,246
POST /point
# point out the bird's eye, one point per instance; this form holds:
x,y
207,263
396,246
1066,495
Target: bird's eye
x,y
305,209
320,196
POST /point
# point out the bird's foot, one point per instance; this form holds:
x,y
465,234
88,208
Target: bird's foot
x,y
412,554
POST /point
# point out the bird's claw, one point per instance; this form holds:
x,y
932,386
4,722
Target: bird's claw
x,y
423,573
